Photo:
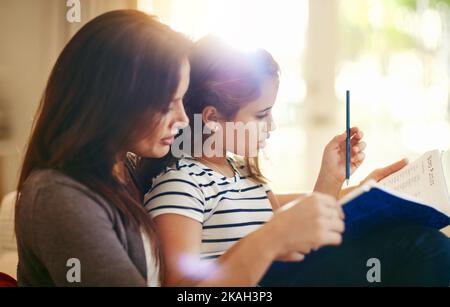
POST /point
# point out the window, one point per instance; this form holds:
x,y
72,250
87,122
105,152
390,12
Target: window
x,y
393,55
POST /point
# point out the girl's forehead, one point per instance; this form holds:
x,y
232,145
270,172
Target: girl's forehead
x,y
266,99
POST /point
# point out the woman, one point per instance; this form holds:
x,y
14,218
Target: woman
x,y
118,87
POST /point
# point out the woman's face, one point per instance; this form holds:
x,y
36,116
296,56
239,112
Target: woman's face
x,y
157,143
257,116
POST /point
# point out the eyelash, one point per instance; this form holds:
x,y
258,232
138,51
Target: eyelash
x,y
262,116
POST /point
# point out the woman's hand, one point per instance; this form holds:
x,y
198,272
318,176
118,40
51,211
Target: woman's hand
x,y
332,171
299,228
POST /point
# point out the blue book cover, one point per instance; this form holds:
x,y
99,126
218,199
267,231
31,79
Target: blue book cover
x,y
377,208
415,195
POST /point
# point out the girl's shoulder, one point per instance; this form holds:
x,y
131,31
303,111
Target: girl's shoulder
x,y
187,169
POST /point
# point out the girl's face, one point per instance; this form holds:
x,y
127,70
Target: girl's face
x,y
158,140
258,121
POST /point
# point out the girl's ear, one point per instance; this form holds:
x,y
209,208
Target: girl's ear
x,y
211,117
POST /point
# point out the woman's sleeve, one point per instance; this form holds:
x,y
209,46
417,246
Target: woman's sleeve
x,y
70,230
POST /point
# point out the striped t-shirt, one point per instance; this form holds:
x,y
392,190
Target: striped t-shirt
x,y
228,208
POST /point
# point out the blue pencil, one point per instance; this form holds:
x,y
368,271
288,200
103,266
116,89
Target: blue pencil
x,y
347,141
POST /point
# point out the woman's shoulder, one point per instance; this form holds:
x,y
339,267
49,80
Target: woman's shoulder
x,y
49,187
46,177
51,179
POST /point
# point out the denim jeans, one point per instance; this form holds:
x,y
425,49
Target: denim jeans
x,y
398,256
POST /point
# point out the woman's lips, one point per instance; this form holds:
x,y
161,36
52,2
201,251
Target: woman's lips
x,y
168,140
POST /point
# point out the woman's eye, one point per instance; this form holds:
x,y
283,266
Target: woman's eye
x,y
170,107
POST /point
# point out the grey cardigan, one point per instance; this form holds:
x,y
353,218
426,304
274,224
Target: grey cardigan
x,y
59,220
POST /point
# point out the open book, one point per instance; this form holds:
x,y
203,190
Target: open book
x,y
415,195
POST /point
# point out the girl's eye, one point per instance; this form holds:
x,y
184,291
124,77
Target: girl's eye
x,y
262,116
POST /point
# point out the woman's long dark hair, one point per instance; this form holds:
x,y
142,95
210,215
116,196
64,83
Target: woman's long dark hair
x,y
105,92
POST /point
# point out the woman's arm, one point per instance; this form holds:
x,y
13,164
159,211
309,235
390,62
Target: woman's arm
x,y
283,199
63,223
242,265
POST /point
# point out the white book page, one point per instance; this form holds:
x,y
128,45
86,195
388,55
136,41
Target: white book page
x,y
423,180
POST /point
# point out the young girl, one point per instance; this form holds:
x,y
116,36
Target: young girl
x,y
203,204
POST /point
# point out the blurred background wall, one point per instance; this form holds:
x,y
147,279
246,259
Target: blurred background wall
x,y
32,34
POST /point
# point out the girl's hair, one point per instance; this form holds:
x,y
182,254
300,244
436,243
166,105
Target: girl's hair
x,y
107,88
227,79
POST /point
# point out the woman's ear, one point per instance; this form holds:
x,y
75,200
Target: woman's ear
x,y
211,117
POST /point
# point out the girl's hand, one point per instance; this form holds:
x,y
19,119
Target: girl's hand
x,y
378,174
332,171
383,172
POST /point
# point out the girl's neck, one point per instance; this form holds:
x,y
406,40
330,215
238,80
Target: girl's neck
x,y
218,164
215,160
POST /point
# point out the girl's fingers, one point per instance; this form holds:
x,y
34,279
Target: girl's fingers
x,y
355,139
359,147
380,173
337,140
358,157
355,135
355,132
